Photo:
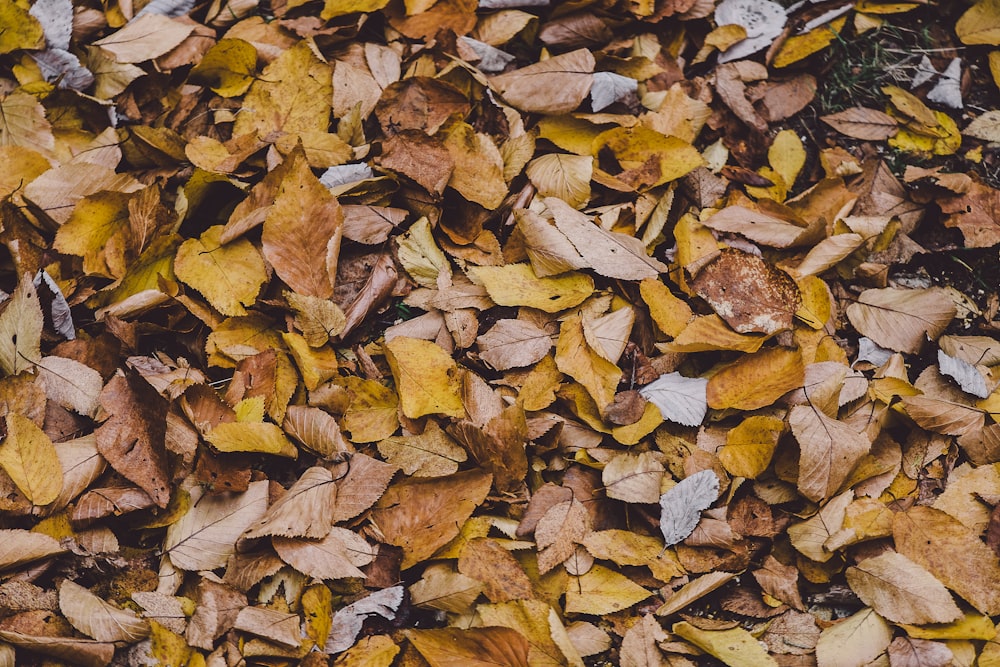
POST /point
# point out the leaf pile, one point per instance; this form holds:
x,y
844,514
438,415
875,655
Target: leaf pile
x,y
428,333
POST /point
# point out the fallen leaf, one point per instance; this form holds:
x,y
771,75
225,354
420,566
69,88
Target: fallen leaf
x,y
863,123
602,591
147,37
426,378
518,285
829,451
682,505
553,86
512,344
909,652
338,555
735,647
901,591
901,320
856,640
474,647
97,619
347,622
228,275
680,399
29,457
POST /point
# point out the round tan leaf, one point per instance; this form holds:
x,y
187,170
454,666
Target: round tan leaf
x,y
564,176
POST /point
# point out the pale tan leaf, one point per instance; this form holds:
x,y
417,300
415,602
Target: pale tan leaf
x,y
553,86
827,253
337,556
82,652
18,547
205,537
81,466
21,330
760,227
273,625
71,384
901,591
863,123
564,176
558,532
305,510
856,640
58,190
633,478
602,591
829,451
147,37
513,344
639,645
810,536
910,652
475,647
23,123
98,619
431,454
694,590
608,334
902,320
317,430
943,407
442,588
167,610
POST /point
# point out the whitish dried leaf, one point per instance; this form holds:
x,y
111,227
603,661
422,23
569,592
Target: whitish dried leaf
x,y
475,647
337,556
965,374
680,399
421,515
902,320
736,647
952,553
347,622
856,640
519,285
830,449
910,652
431,454
553,86
426,377
147,37
98,619
985,126
760,227
863,123
21,330
305,510
610,254
29,457
271,624
513,344
747,292
633,478
71,384
681,506
18,547
602,591
205,537
763,21
972,349
901,591
561,528
694,590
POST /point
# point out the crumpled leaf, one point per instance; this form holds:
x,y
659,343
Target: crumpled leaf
x,y
347,622
431,454
682,505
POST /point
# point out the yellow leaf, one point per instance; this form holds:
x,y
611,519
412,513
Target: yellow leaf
x,y
539,389
20,30
633,433
736,647
263,438
334,8
570,133
787,156
374,651
430,454
371,414
816,308
420,255
292,95
317,318
478,174
706,333
316,364
21,166
168,648
946,140
228,67
517,285
29,457
602,591
980,24
564,176
576,359
647,157
670,313
994,60
798,47
750,446
229,276
318,612
99,232
427,378
756,380
970,626
21,329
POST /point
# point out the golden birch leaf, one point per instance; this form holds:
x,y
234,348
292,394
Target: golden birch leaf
x,y
18,547
305,510
21,30
205,537
648,158
610,254
302,232
373,412
229,276
337,556
21,330
855,640
292,95
98,619
952,553
431,454
829,451
474,647
756,380
518,285
317,318
554,86
29,457
420,255
694,590
261,438
148,36
423,514
228,67
23,121
602,591
750,446
427,378
633,478
980,24
564,176
575,358
373,651
902,320
736,647
901,591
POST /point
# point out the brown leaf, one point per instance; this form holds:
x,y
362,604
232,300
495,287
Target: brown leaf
x,y
910,652
503,578
975,214
902,591
337,556
902,320
558,532
862,123
424,159
132,440
748,292
829,451
421,515
475,647
553,86
512,344
305,510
